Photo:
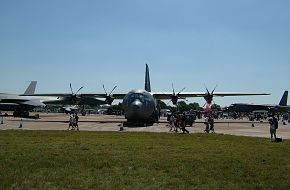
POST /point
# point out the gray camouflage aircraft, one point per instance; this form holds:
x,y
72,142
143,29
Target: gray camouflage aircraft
x,y
72,99
20,104
140,107
23,103
272,108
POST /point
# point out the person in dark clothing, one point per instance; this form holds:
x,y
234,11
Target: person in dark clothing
x,y
273,121
77,121
177,122
183,123
206,123
211,124
71,123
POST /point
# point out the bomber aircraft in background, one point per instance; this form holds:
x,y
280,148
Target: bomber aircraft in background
x,y
140,106
23,103
271,108
20,105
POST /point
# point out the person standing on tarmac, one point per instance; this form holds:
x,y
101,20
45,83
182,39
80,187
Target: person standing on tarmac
x,y
172,123
77,121
177,121
183,123
70,124
206,123
211,123
273,121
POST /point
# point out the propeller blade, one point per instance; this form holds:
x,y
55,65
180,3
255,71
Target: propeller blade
x,y
112,90
214,89
79,89
173,89
71,88
104,89
206,89
180,91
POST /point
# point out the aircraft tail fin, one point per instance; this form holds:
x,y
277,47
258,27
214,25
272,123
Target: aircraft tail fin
x,y
283,101
147,80
31,88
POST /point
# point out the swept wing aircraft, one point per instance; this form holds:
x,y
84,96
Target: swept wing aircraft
x,y
20,105
23,103
140,107
272,108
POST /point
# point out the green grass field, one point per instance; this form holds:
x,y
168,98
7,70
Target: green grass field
x,y
116,160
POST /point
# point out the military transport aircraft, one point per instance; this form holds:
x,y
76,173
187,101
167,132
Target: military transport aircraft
x,y
72,99
272,108
140,107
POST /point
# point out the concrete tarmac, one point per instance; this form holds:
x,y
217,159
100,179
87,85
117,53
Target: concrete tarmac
x,y
56,121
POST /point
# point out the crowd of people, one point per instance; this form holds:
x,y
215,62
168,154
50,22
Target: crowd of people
x,y
178,122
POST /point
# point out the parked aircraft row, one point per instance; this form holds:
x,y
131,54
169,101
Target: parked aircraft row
x,y
139,105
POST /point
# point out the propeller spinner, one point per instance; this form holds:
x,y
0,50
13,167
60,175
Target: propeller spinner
x,y
174,96
209,95
74,96
109,97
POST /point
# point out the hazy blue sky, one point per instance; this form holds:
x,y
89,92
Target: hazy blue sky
x,y
242,46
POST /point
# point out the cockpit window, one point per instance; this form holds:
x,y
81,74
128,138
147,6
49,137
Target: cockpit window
x,y
137,96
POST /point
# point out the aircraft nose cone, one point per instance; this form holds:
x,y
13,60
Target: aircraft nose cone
x,y
136,105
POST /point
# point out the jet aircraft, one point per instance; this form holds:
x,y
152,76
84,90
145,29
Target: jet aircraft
x,y
272,108
23,103
20,105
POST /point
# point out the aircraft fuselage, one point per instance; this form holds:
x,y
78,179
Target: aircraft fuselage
x,y
11,102
140,107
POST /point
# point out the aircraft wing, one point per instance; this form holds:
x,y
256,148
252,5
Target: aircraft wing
x,y
285,107
50,95
157,95
223,94
10,103
103,95
168,95
92,95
